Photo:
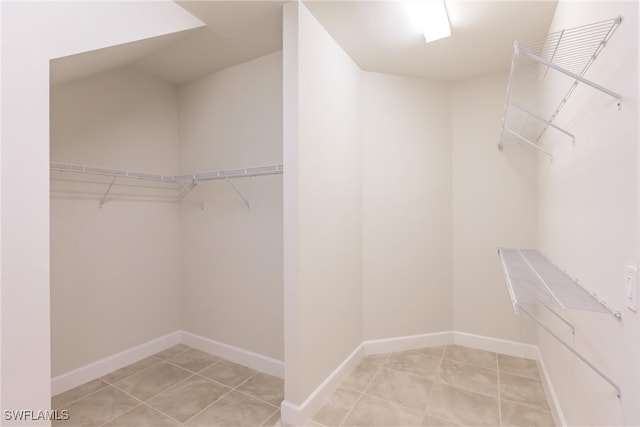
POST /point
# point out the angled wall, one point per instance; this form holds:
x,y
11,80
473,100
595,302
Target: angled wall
x,y
323,204
107,261
231,255
588,223
32,34
406,206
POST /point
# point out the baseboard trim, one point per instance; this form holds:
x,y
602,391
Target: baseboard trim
x,y
496,345
409,342
556,409
101,367
234,354
298,415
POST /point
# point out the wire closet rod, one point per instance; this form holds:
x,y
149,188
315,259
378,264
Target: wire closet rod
x,y
573,350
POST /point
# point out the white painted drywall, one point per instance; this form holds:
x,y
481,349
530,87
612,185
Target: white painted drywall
x,y
323,204
32,34
406,125
115,269
493,205
588,222
231,256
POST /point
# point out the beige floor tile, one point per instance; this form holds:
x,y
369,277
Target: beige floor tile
x,y
187,398
265,387
402,388
377,359
76,393
518,366
524,391
434,351
371,411
98,408
172,351
142,416
469,377
234,410
361,376
228,373
194,360
463,407
131,369
481,358
337,407
415,362
152,381
430,420
523,416
274,420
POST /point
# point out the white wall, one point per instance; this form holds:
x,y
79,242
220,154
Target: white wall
x,y
588,222
115,269
231,256
406,126
33,33
323,204
494,205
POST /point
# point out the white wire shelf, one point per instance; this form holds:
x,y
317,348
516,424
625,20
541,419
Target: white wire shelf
x,y
173,188
533,279
544,73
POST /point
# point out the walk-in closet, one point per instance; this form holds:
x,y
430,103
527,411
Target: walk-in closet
x,y
313,213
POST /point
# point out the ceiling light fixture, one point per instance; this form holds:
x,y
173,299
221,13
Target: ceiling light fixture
x,y
430,17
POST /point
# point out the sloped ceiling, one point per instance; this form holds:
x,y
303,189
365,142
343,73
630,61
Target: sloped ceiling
x,y
376,34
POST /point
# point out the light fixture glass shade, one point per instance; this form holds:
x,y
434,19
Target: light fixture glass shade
x,y
430,17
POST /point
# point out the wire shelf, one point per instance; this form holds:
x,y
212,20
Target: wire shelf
x,y
172,188
533,279
544,73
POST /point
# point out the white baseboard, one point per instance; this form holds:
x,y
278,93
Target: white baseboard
x,y
496,345
410,342
298,415
101,367
238,355
556,409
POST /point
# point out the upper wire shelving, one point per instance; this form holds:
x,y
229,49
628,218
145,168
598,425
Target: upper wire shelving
x,y
544,73
173,188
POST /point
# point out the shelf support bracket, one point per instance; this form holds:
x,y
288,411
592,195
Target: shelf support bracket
x,y
186,190
545,121
244,199
106,193
573,350
565,321
531,143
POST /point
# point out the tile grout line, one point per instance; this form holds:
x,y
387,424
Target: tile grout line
x,y
362,392
269,417
435,381
106,384
141,402
206,407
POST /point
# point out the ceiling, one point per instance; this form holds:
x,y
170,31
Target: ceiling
x,y
376,34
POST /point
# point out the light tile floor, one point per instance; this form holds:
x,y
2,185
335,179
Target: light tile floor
x,y
440,386
180,386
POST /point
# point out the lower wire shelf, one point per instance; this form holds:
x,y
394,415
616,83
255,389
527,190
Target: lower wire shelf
x,y
533,279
